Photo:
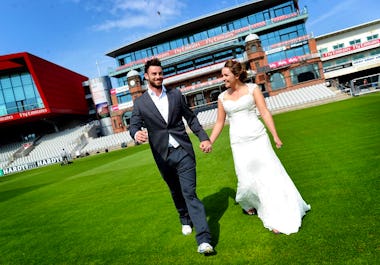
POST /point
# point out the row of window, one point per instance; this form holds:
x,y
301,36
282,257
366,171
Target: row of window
x,y
282,9
297,75
285,34
351,42
290,53
350,58
203,61
18,93
197,63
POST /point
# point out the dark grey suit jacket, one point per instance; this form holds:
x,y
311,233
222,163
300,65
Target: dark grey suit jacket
x,y
146,114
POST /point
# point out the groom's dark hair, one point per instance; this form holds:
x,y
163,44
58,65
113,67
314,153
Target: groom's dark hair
x,y
152,62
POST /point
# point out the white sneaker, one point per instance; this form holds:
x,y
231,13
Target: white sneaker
x,y
186,230
205,248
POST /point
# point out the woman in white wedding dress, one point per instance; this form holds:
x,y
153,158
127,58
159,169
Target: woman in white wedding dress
x,y
264,187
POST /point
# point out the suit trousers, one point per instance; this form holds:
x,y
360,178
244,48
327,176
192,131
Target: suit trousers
x,y
180,176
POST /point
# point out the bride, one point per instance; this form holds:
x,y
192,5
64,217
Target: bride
x,y
264,186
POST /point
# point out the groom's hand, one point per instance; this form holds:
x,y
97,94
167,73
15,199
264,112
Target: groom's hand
x,y
141,136
206,146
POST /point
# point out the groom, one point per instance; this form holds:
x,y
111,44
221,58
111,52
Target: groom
x,y
161,112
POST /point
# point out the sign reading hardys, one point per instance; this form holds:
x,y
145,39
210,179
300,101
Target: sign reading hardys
x,y
23,167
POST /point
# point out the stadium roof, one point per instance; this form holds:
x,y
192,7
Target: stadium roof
x,y
197,23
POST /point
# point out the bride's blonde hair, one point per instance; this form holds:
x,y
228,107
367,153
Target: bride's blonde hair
x,y
237,69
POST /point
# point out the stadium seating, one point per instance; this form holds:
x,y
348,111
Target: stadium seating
x,y
79,140
284,100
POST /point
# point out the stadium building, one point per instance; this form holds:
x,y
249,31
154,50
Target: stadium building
x,y
38,97
351,57
269,37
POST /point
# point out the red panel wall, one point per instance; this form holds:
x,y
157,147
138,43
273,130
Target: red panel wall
x,y
61,89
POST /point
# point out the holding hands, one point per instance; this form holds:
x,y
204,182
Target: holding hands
x,y
206,146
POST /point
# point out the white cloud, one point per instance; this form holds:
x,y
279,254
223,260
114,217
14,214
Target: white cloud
x,y
148,14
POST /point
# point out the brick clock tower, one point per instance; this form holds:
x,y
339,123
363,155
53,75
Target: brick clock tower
x,y
134,84
121,116
257,60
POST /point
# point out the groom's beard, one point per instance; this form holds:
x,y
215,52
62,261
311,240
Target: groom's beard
x,y
157,85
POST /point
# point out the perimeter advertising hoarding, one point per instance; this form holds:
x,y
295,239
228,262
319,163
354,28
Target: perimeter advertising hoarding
x,y
31,165
25,114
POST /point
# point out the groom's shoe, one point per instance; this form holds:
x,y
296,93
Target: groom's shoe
x,y
186,230
205,248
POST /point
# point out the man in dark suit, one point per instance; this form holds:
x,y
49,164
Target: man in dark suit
x,y
160,111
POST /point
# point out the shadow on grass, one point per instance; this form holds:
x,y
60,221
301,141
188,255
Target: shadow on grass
x,y
216,205
9,194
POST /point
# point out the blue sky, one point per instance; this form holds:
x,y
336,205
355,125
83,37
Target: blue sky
x,y
77,34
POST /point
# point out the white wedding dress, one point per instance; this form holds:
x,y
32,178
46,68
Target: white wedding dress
x,y
263,183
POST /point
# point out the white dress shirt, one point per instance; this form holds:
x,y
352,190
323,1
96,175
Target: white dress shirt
x,y
162,105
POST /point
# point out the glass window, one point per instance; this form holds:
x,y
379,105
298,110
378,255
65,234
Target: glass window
x,y
197,37
342,60
230,26
124,97
173,44
358,56
374,52
191,39
338,46
19,93
184,67
204,35
225,55
244,21
211,33
166,46
149,52
40,103
8,95
304,73
11,107
373,37
199,100
26,79
169,71
16,80
252,19
3,110
353,42
277,81
237,24
185,41
31,104
121,61
266,15
160,48
138,55
199,62
179,42
218,30
5,82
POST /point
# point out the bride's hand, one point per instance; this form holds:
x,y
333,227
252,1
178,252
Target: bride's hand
x,y
278,142
206,146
